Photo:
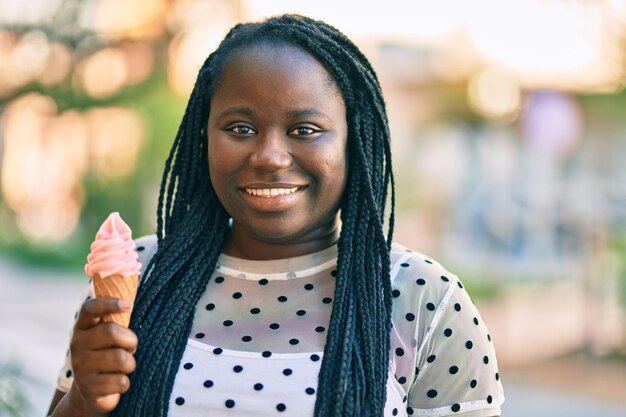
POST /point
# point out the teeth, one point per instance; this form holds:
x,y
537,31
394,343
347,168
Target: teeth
x,y
270,192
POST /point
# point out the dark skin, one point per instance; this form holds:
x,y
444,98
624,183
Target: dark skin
x,y
277,123
102,357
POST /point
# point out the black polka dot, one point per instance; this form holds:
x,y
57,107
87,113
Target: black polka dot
x,y
274,326
395,293
402,379
431,358
208,383
229,403
409,410
199,335
315,357
140,248
255,310
246,338
282,298
453,369
475,321
210,306
281,407
188,365
410,316
287,371
497,376
455,407
217,351
428,262
486,360
68,374
404,399
333,273
310,391
473,383
319,329
489,337
459,284
404,265
469,344
420,281
237,295
266,354
263,281
457,307
219,280
447,332
444,278
489,399
258,386
394,412
293,342
301,312
430,306
327,300
237,368
180,401
399,351
227,323
431,393
308,287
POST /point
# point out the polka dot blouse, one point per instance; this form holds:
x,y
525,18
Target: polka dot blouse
x,y
259,330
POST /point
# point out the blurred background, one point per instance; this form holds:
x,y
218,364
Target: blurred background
x,y
508,121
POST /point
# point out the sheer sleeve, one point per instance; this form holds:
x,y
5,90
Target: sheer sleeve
x,y
448,364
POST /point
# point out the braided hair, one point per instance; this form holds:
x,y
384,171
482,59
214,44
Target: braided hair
x,y
192,226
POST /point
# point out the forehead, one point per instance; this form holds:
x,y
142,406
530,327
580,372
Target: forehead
x,y
275,69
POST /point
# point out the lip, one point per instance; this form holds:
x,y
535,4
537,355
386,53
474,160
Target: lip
x,y
271,203
270,185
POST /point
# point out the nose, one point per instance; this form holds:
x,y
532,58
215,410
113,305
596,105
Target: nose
x,y
271,153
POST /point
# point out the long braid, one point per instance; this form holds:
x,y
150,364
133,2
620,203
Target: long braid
x,y
192,225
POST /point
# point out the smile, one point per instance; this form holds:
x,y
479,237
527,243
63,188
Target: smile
x,y
271,192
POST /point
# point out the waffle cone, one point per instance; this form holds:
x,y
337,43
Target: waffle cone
x,y
117,286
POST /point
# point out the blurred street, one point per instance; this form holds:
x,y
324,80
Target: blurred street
x,y
37,306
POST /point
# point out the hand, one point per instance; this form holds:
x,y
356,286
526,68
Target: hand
x,y
102,357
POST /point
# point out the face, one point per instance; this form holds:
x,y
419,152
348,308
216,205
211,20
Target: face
x,y
277,136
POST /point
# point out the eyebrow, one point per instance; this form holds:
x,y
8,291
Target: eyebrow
x,y
246,111
306,112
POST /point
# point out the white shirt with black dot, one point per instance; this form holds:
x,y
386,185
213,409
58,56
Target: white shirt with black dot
x,y
259,330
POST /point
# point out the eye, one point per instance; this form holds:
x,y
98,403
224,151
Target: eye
x,y
305,132
242,131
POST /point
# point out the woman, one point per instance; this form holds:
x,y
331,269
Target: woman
x,y
270,255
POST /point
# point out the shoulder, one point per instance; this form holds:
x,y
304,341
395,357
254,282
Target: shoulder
x,y
416,272
146,247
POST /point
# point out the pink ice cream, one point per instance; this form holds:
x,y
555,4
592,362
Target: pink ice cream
x,y
113,251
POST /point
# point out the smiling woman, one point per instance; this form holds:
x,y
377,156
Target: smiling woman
x,y
270,286
277,152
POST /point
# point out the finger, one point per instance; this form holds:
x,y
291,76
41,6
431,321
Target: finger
x,y
108,335
92,310
108,361
100,385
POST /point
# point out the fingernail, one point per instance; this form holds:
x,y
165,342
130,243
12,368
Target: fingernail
x,y
125,304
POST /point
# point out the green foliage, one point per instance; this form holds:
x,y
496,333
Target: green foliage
x,y
618,249
133,196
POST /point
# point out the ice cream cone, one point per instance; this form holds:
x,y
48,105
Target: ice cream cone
x,y
117,286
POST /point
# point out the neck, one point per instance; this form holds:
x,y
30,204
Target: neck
x,y
242,245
